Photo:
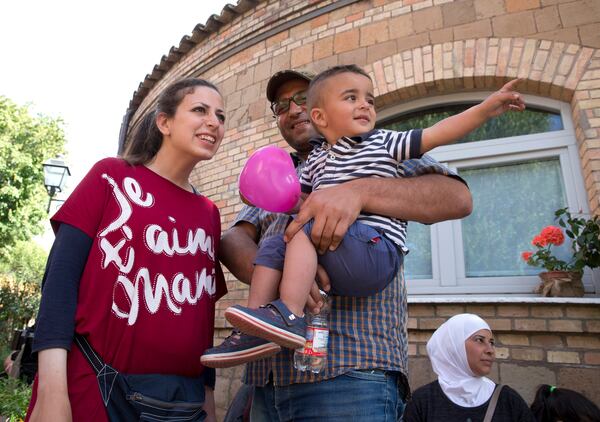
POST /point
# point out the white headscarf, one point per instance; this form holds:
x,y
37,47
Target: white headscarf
x,y
448,356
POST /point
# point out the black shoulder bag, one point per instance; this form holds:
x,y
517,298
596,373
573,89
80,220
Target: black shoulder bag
x,y
152,397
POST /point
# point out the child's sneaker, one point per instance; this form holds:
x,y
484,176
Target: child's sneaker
x,y
237,349
273,322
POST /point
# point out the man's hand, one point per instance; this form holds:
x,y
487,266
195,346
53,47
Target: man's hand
x,y
333,209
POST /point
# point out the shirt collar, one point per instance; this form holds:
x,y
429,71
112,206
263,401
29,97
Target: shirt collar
x,y
296,159
318,141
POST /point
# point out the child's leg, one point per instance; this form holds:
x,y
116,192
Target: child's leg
x,y
299,272
264,286
268,265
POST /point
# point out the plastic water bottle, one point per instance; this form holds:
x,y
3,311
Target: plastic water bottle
x,y
313,356
300,359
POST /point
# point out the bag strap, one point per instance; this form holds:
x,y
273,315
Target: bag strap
x,y
90,354
493,402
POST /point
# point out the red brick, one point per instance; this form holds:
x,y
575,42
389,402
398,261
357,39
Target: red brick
x,y
489,8
419,336
482,310
374,33
401,26
520,5
345,41
428,19
563,357
530,325
302,56
565,326
579,12
592,326
502,352
458,12
449,310
513,310
547,19
513,339
591,358
499,324
514,25
323,48
430,323
583,311
547,311
412,323
547,341
584,342
527,354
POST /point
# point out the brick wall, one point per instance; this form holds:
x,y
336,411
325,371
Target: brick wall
x,y
412,49
537,342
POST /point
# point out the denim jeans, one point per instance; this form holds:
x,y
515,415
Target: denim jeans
x,y
369,395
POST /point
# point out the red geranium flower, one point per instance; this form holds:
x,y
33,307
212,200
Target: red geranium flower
x,y
553,235
526,255
539,241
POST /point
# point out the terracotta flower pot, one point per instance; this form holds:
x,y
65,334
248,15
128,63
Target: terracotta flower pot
x,y
560,284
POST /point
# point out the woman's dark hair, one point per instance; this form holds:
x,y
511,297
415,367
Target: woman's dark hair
x,y
147,139
561,404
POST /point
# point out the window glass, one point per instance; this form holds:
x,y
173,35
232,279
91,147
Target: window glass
x,y
508,124
417,264
511,204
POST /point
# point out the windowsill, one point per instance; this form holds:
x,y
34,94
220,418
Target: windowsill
x,y
589,300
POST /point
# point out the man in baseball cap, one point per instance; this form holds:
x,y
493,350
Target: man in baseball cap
x,y
366,372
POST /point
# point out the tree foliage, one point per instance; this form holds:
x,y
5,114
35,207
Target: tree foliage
x,y
25,143
20,277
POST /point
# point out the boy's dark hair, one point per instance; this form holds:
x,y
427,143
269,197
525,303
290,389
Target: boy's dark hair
x,y
316,84
561,404
147,139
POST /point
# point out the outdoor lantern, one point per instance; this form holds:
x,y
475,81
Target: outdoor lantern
x,y
56,172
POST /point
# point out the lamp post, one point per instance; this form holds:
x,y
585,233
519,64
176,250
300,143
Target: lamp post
x,y
56,172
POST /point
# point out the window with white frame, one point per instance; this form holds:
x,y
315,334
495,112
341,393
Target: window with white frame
x,y
520,167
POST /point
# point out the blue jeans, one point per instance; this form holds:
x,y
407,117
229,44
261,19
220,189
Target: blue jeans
x,y
374,396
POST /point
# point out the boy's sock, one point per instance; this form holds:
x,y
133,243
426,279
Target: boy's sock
x,y
237,349
273,322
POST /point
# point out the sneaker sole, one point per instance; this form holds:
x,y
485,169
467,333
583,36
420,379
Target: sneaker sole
x,y
229,359
259,328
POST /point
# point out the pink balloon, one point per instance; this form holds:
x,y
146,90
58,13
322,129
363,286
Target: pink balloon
x,y
269,180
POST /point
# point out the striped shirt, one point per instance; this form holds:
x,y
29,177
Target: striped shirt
x,y
379,153
365,332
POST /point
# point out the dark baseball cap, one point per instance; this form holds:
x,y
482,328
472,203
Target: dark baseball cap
x,y
284,76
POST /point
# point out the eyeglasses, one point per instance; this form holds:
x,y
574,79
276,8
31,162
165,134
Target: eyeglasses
x,y
283,105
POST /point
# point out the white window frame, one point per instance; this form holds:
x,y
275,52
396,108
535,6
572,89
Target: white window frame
x,y
448,269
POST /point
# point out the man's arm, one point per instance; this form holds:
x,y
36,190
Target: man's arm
x,y
428,199
239,245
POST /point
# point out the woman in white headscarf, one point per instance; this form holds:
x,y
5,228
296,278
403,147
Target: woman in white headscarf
x,y
462,352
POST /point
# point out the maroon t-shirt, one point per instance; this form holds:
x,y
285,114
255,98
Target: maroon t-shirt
x,y
147,293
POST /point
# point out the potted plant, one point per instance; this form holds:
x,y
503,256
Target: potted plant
x,y
563,278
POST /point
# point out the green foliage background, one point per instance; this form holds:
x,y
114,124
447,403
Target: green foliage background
x,y
20,275
14,399
25,143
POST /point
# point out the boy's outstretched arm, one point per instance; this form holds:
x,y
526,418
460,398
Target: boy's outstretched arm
x,y
457,127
